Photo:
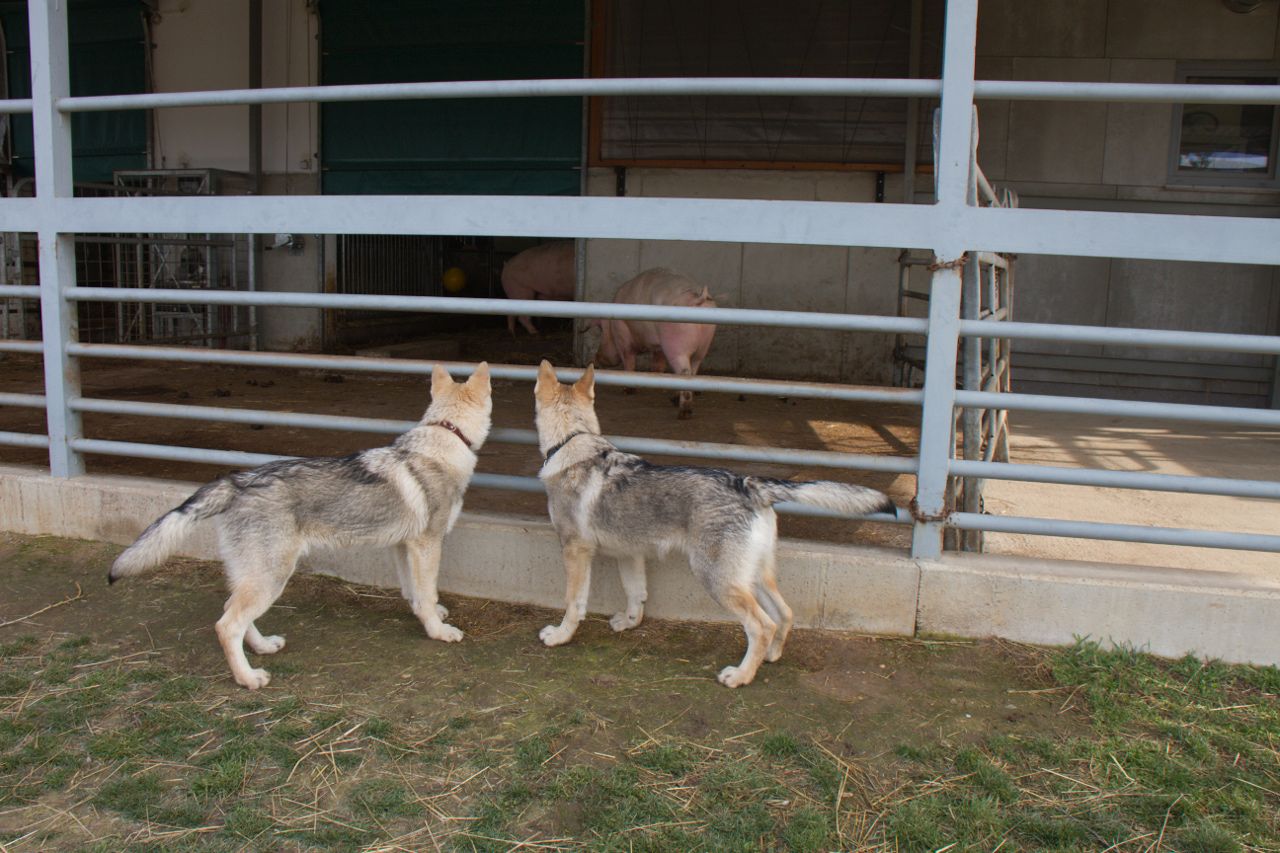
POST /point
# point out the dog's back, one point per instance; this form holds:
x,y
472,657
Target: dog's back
x,y
626,504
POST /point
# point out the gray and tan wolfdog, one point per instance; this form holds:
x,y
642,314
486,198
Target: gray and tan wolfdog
x,y
603,500
407,495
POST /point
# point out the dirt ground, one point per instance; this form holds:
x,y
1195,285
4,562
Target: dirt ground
x,y
348,642
121,729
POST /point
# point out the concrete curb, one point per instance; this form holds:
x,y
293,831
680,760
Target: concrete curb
x,y
873,590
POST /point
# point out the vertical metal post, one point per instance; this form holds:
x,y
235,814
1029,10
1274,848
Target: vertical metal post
x,y
971,372
960,39
913,105
952,154
937,441
51,80
255,158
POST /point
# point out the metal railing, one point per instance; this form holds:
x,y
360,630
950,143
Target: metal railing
x,y
952,229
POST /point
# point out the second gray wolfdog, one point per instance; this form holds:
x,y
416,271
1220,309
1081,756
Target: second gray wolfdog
x,y
603,500
407,495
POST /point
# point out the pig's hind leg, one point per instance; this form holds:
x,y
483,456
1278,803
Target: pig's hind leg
x,y
681,367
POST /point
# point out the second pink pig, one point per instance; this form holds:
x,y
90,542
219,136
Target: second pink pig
x,y
681,346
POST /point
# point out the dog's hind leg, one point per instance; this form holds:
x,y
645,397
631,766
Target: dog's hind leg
x,y
733,589
424,566
577,569
631,570
759,629
764,553
252,594
262,645
770,598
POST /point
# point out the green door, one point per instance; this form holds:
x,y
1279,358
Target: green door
x,y
108,57
522,146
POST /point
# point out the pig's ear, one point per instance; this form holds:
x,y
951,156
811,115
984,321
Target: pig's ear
x,y
546,379
440,379
586,386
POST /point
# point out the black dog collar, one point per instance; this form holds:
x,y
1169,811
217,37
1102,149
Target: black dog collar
x,y
554,450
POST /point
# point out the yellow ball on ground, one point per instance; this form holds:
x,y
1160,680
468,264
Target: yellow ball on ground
x,y
454,279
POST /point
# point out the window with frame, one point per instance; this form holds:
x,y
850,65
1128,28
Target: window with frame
x,y
1226,144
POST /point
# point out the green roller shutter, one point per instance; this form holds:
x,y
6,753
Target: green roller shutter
x,y
529,146
108,57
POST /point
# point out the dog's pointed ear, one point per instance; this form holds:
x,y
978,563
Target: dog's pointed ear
x,y
440,379
586,386
480,379
546,378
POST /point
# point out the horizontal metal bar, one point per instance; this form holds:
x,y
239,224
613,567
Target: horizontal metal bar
x,y
1181,237
22,346
1115,532
19,291
1120,336
776,455
694,449
507,482
838,87
1142,93
231,458
24,439
720,86
531,307
1117,479
366,364
32,401
15,105
239,459
1231,415
20,214
223,414
533,484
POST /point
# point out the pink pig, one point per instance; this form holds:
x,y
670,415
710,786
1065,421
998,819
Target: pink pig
x,y
683,346
543,272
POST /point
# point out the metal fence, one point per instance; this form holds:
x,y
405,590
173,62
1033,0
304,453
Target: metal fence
x,y
953,229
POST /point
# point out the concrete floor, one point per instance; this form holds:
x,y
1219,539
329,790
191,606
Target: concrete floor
x,y
1136,445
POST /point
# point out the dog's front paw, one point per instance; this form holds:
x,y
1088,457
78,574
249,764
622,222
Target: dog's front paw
x,y
269,645
442,612
622,621
256,679
732,676
555,635
445,634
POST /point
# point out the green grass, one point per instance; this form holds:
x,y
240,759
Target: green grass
x,y
1183,753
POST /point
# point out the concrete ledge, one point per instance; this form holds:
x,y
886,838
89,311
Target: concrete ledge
x,y
506,558
875,590
1168,612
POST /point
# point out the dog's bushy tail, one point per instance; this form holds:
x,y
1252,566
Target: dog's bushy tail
x,y
167,533
838,497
